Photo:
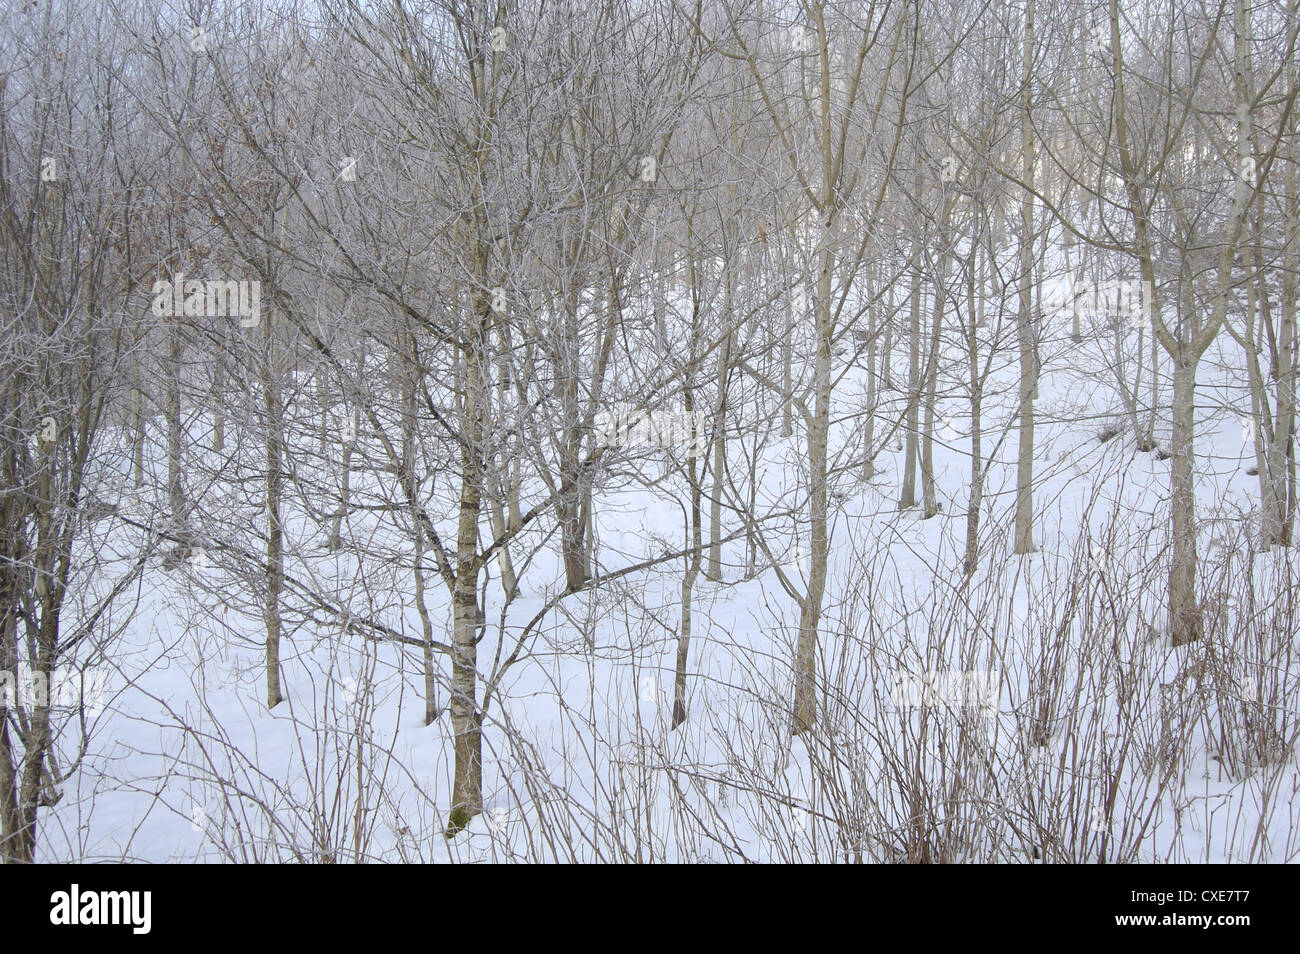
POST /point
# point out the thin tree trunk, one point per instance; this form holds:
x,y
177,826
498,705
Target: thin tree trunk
x,y
692,571
1184,610
13,546
137,416
971,560
873,382
467,616
928,491
787,380
502,491
1155,382
573,542
274,537
1024,527
218,403
805,697
714,569
322,399
1281,449
20,839
176,500
349,440
887,351
908,499
410,388
1288,365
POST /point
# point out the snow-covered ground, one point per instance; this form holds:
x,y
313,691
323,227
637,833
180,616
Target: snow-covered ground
x,y
1097,740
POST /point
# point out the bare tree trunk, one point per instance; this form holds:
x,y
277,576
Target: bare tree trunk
x,y
799,295
335,540
1261,419
1155,383
692,571
1185,616
1279,463
410,388
873,381
19,836
714,569
805,693
322,400
1076,333
21,841
507,500
1288,363
12,840
176,500
275,533
13,546
349,441
1184,610
572,492
928,494
514,515
497,521
218,399
501,492
137,427
1024,529
467,616
787,380
1145,435
908,499
971,560
887,351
